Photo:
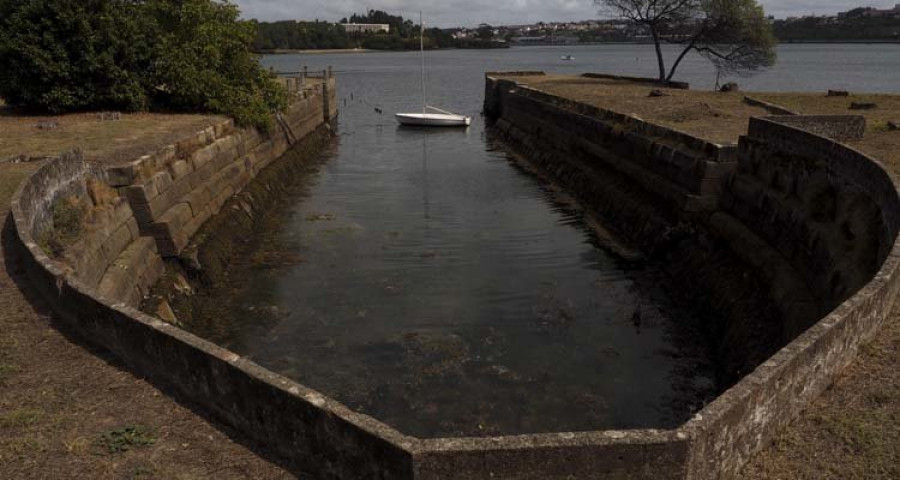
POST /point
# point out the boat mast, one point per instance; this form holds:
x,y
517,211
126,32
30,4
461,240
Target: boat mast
x,y
422,51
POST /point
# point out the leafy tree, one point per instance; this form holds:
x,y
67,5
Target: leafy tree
x,y
203,62
485,32
59,55
733,34
439,38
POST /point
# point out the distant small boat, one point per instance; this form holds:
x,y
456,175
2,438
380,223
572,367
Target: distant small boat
x,y
441,119
567,57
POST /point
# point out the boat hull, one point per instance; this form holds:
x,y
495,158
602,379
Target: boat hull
x,y
433,120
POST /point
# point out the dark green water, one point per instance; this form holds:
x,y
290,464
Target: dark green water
x,y
421,277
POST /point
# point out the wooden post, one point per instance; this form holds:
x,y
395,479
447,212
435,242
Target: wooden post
x,y
326,100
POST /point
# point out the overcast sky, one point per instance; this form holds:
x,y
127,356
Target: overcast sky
x,y
451,13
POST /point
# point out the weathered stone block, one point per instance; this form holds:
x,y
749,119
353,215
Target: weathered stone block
x,y
166,200
161,182
203,156
117,284
139,193
198,199
180,169
122,175
224,128
117,242
169,230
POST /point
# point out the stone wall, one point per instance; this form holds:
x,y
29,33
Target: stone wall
x,y
311,431
174,191
653,185
109,254
683,169
722,214
768,106
842,128
792,248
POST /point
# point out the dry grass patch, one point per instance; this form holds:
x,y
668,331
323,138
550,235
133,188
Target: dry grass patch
x,y
714,116
11,175
879,142
102,140
851,431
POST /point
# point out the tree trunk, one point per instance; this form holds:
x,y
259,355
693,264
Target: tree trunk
x,y
678,61
659,55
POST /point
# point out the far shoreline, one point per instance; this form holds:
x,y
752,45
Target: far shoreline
x,y
329,51
323,51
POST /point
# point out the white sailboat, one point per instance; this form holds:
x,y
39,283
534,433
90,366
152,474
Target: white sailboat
x,y
424,119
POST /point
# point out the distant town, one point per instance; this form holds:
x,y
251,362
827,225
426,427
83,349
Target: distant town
x,y
379,30
864,23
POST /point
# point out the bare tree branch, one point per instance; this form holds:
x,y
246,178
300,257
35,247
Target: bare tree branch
x,y
732,34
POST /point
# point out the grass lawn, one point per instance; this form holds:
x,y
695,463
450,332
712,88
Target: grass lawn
x,y
102,140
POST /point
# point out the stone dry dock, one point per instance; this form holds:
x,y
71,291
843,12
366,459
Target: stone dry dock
x,y
795,209
811,223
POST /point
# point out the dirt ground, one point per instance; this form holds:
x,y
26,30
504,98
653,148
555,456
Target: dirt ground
x,y
110,141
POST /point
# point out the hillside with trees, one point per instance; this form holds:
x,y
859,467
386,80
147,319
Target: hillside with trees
x,y
855,25
293,35
316,35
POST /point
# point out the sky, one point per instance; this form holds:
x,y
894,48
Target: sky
x,y
467,13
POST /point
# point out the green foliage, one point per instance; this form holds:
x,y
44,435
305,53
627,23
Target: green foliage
x,y
61,56
404,35
854,26
738,39
192,55
291,35
485,32
123,439
204,62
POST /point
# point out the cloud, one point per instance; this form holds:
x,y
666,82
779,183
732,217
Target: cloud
x,y
452,13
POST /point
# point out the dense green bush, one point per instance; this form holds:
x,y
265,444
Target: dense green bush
x,y
188,55
61,56
204,62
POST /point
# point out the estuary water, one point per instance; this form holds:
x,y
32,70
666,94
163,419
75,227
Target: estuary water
x,y
423,278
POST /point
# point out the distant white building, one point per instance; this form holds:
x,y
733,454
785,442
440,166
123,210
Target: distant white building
x,y
366,27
